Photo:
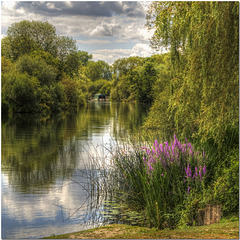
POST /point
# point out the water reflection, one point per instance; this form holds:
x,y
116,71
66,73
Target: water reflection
x,y
43,161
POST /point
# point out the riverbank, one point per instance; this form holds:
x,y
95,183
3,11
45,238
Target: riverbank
x,y
225,229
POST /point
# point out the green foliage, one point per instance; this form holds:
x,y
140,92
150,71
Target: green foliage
x,y
6,64
37,67
134,79
203,41
27,36
98,70
158,118
100,86
74,96
226,187
20,92
162,183
84,57
32,52
74,60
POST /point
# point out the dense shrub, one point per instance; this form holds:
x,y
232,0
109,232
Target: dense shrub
x,y
74,96
226,187
37,67
20,92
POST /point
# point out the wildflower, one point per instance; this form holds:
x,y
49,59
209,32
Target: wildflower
x,y
204,169
188,189
188,171
162,174
200,175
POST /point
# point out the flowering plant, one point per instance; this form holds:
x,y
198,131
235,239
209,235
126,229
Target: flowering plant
x,y
177,160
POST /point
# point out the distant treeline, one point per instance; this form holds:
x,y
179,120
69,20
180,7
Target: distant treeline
x,y
43,72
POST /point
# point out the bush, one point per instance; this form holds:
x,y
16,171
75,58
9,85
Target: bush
x,y
74,96
226,187
20,92
37,67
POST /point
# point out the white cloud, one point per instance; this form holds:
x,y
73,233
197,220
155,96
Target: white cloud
x,y
106,29
120,29
68,4
142,50
110,55
93,41
9,5
50,5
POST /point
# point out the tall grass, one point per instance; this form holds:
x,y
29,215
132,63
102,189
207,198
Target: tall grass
x,y
167,181
160,179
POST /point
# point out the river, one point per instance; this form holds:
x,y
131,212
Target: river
x,y
43,162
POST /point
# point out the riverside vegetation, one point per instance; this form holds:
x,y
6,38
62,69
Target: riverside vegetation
x,y
193,90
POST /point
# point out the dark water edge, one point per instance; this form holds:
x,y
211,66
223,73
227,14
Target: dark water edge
x,y
44,169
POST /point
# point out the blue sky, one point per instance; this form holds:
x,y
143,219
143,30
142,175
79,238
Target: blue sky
x,y
108,30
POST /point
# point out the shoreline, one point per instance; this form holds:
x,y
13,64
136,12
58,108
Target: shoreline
x,y
225,229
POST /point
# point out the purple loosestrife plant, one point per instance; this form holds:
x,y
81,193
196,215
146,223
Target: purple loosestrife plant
x,y
179,156
172,171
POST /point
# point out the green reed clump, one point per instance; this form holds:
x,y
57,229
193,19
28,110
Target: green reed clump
x,y
161,178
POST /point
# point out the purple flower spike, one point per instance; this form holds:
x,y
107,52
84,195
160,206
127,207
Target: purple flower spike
x,y
162,175
204,169
188,189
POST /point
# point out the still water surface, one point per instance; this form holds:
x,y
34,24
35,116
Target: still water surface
x,y
43,162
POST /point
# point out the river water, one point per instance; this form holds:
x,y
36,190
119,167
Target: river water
x,y
43,163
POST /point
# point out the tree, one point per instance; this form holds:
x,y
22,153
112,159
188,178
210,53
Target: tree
x,y
20,92
134,78
84,57
37,67
74,96
74,60
26,36
98,70
203,39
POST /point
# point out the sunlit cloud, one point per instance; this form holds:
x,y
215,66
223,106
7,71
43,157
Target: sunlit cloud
x,y
92,24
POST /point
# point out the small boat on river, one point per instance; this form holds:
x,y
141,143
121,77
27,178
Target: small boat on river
x,y
100,97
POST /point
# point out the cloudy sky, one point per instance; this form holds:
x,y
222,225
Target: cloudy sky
x,y
107,30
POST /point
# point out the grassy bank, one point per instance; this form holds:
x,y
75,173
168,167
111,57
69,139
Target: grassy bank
x,y
226,229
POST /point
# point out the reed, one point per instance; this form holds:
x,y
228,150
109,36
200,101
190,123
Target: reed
x,y
160,178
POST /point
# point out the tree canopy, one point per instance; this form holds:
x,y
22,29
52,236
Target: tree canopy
x,y
55,75
203,40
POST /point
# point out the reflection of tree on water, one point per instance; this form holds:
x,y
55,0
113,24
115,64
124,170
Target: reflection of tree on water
x,y
35,153
128,118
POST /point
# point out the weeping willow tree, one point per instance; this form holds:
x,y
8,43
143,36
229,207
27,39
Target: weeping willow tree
x,y
203,41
